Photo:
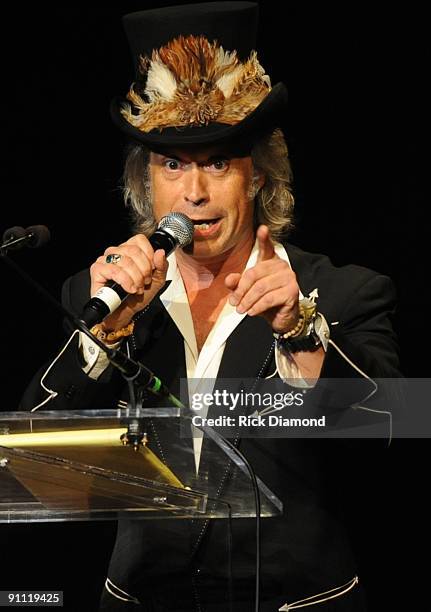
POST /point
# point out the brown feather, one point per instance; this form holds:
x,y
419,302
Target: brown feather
x,y
195,65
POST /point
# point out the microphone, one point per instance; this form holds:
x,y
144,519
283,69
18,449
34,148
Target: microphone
x,y
17,237
174,230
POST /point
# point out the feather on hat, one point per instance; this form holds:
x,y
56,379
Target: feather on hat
x,y
192,82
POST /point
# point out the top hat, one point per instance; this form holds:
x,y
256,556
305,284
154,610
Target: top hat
x,y
198,77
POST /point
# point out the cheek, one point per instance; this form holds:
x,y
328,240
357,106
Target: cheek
x,y
245,205
246,213
163,197
237,195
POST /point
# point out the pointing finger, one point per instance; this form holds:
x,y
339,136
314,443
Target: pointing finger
x,y
266,248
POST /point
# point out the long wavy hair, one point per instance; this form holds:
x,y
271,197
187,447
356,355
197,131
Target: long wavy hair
x,y
273,202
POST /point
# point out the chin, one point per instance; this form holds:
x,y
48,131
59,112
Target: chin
x,y
204,249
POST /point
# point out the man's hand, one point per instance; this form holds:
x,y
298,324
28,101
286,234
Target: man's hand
x,y
141,272
268,289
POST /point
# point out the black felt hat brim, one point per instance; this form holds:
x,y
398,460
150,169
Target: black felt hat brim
x,y
267,116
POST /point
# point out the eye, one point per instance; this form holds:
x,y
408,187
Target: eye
x,y
219,164
171,164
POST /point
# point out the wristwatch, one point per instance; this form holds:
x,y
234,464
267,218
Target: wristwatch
x,y
305,335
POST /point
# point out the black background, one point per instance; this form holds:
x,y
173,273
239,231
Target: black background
x,y
355,124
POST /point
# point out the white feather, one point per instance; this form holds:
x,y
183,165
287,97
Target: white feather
x,y
224,58
227,82
161,82
266,79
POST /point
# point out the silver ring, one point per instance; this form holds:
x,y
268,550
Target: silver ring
x,y
114,258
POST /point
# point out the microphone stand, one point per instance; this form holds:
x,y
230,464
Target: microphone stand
x,y
15,243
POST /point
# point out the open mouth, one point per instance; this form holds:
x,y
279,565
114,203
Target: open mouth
x,y
204,224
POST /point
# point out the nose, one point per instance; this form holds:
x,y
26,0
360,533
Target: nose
x,y
196,186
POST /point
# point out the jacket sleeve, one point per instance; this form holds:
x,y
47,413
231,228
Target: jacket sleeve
x,y
361,362
65,378
364,334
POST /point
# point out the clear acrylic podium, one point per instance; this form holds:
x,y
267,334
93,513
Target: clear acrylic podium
x,y
60,466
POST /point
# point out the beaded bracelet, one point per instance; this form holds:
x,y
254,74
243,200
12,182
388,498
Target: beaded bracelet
x,y
112,336
297,330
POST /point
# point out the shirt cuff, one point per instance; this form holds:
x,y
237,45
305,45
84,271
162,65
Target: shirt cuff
x,y
96,361
287,368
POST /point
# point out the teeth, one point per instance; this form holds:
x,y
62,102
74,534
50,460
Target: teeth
x,y
202,225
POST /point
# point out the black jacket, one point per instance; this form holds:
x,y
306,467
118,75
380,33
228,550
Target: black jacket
x,y
305,551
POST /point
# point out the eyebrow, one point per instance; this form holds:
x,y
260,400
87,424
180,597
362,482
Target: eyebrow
x,y
209,159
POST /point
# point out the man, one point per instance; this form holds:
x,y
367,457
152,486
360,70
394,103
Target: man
x,y
204,121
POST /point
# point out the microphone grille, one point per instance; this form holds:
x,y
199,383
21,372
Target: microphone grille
x,y
180,226
40,235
